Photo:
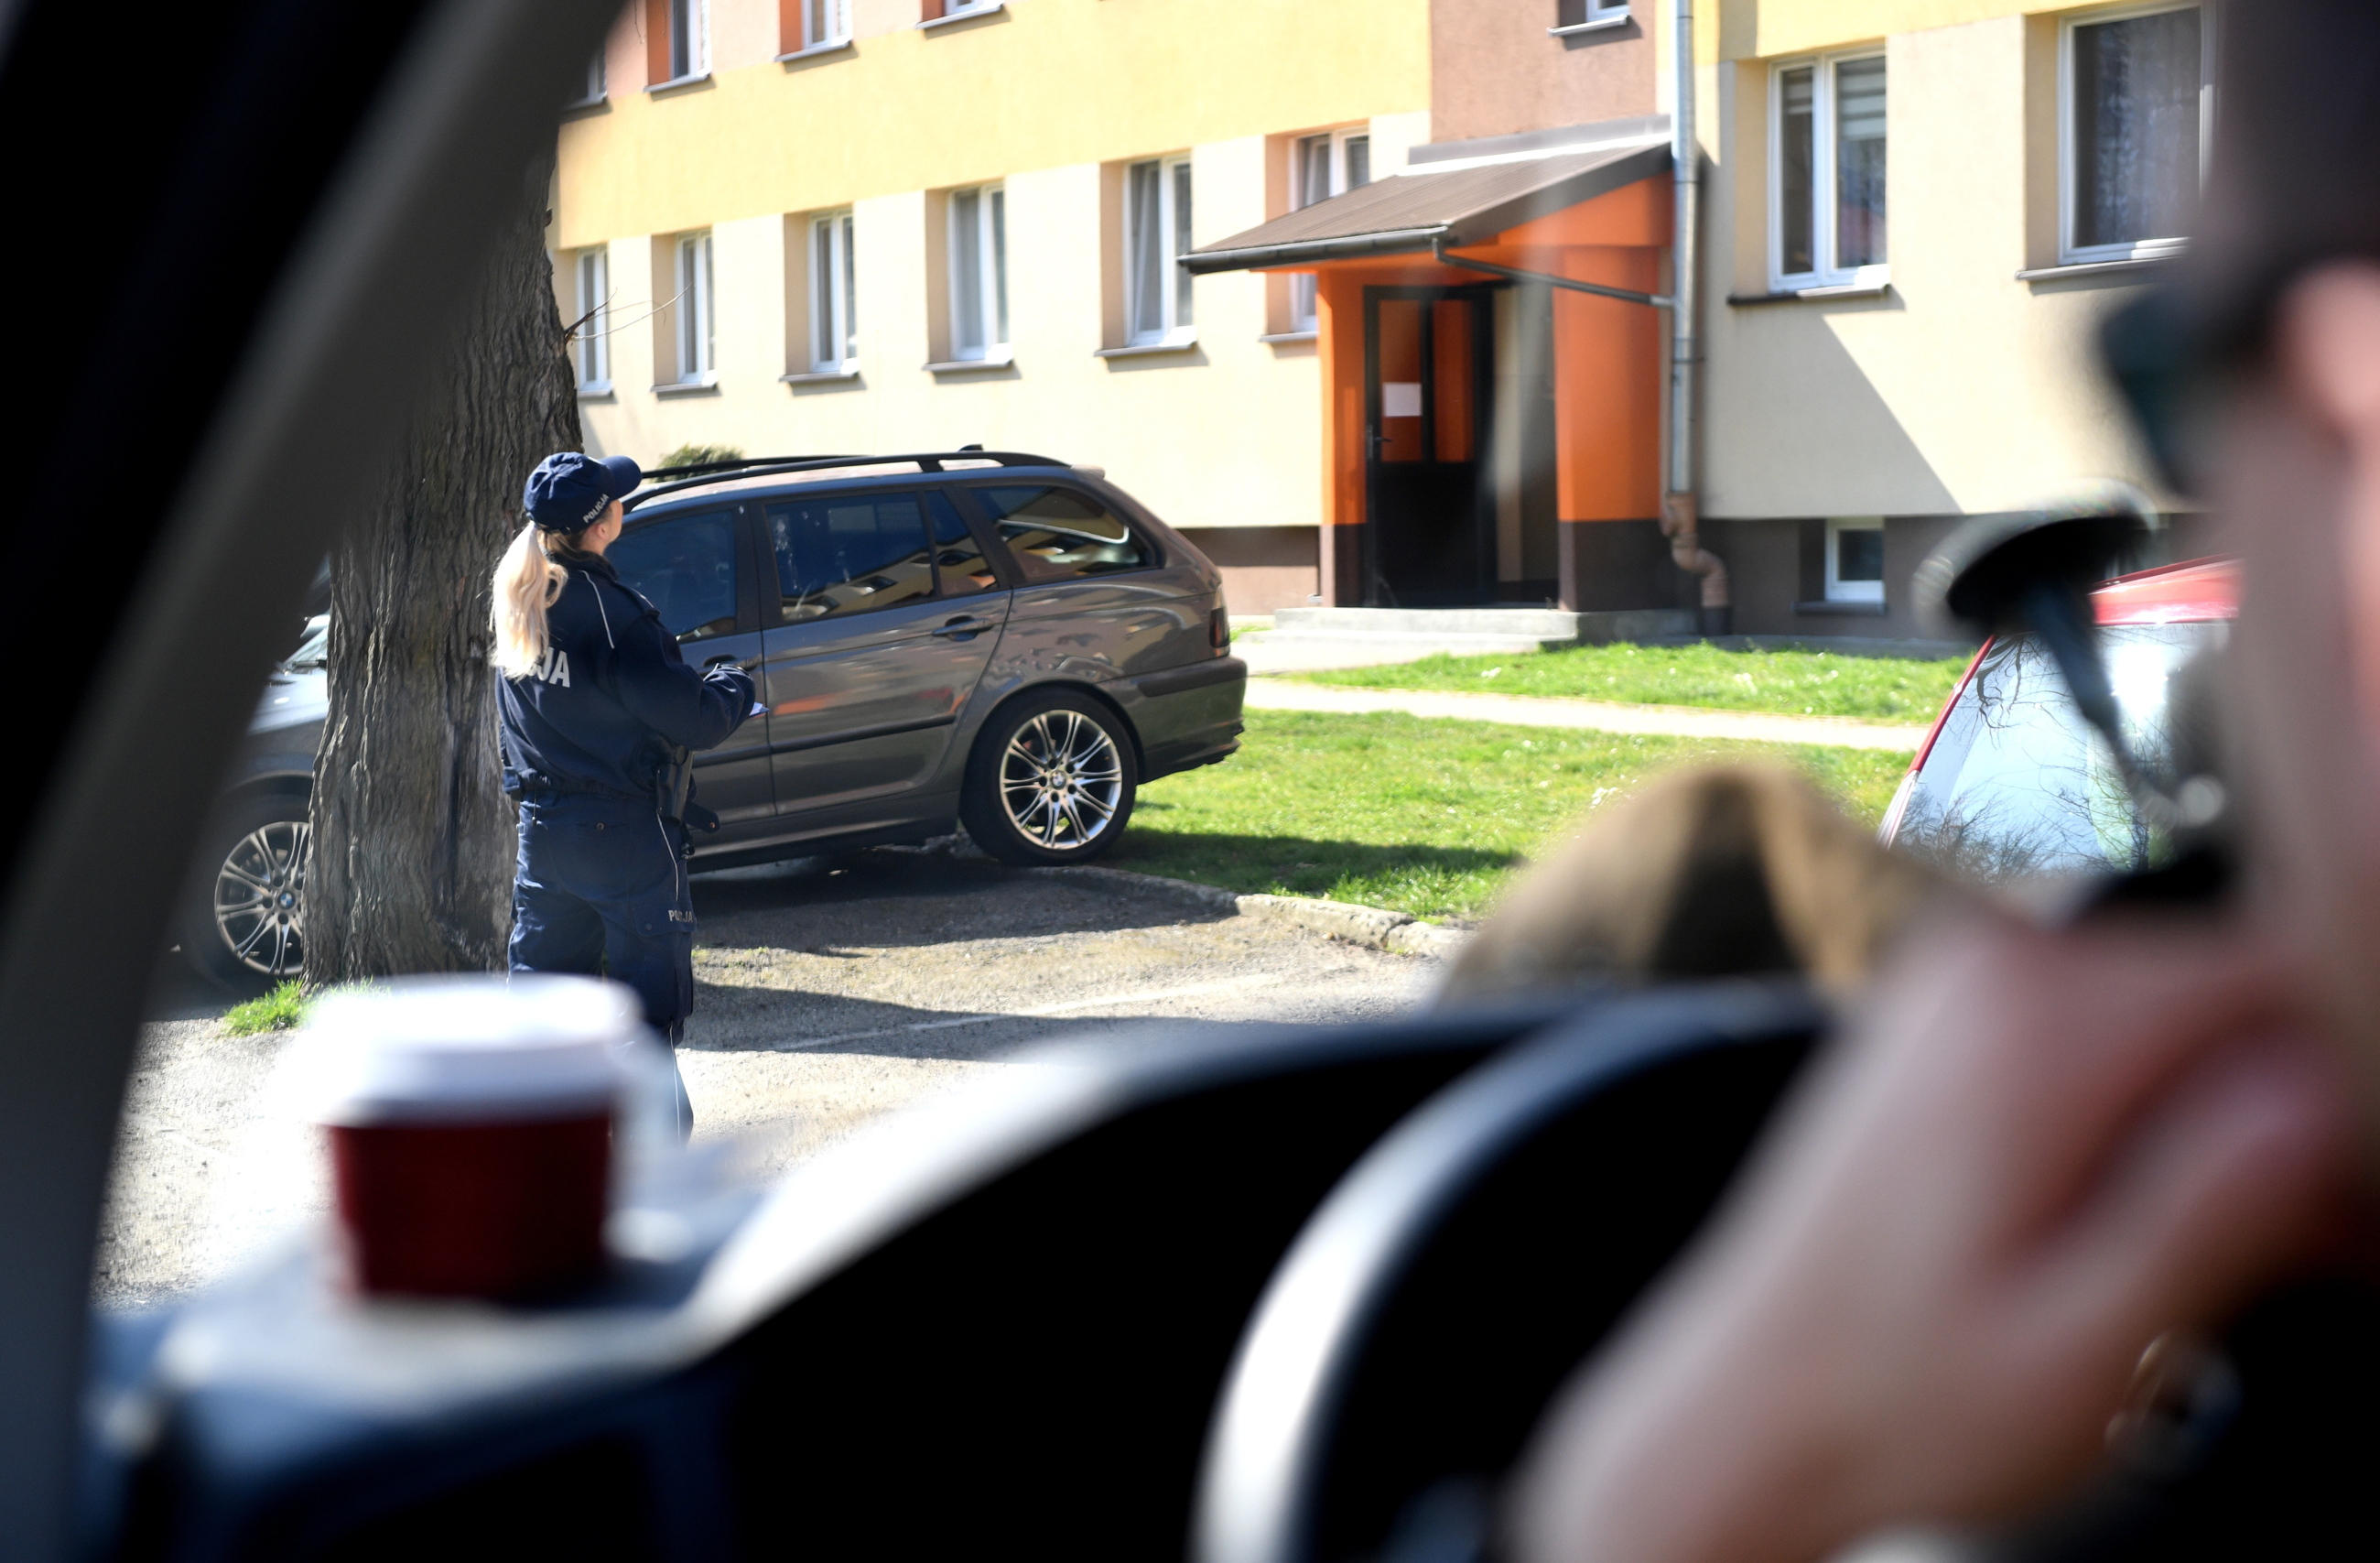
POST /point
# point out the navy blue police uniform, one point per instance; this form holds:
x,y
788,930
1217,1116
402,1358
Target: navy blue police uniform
x,y
588,735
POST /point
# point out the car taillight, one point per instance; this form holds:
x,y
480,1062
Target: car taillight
x,y
1219,630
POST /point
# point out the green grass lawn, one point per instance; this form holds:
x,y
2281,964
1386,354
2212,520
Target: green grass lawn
x,y
1425,816
1797,683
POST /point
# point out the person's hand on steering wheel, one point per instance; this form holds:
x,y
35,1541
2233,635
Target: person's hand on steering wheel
x,y
2030,1155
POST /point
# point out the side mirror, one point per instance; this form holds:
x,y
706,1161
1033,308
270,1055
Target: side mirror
x,y
2032,573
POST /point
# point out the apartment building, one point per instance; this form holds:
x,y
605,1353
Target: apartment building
x,y
1917,209
821,226
1280,269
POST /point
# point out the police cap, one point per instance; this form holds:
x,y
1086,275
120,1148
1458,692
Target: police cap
x,y
570,490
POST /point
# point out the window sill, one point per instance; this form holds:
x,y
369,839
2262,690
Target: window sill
x,y
2096,268
816,50
602,100
705,386
999,358
1623,20
678,84
595,390
970,13
1813,294
820,376
1144,349
1843,609
1280,336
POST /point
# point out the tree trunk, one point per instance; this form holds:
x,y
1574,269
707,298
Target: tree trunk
x,y
412,858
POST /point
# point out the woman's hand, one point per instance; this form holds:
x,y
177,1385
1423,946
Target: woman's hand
x,y
2033,1154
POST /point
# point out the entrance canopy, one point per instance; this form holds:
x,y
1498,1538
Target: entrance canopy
x,y
1483,440
1411,213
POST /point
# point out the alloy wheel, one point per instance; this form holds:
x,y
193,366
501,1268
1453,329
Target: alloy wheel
x,y
261,898
1061,780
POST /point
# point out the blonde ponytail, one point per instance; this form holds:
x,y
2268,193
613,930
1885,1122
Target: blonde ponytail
x,y
527,582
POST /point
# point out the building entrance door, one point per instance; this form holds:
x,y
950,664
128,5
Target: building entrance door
x,y
1426,365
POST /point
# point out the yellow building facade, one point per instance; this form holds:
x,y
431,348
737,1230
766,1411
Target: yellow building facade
x,y
870,225
2041,164
977,179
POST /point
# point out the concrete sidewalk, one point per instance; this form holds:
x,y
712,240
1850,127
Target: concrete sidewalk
x,y
1527,711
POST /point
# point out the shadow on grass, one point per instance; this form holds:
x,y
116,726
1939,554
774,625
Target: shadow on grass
x,y
1297,865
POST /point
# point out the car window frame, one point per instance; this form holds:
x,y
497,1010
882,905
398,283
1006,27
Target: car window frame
x,y
1007,574
747,606
980,514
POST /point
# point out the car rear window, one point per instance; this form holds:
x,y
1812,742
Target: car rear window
x,y
684,566
2017,784
1062,533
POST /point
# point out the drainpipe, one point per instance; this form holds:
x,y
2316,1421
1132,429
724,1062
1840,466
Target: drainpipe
x,y
1680,520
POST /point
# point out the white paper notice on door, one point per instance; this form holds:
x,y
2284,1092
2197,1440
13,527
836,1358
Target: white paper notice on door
x,y
1400,398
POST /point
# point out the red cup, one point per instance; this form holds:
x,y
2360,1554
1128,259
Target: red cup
x,y
470,1126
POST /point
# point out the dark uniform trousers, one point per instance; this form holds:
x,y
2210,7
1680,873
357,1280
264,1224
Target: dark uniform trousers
x,y
601,887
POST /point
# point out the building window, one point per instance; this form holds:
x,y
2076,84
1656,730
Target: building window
x,y
950,10
1321,166
593,88
834,315
2132,131
594,313
1156,233
1826,176
689,37
694,309
1579,15
979,230
825,23
1855,560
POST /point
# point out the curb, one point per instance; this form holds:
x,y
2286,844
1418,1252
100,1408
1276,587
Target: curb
x,y
1373,927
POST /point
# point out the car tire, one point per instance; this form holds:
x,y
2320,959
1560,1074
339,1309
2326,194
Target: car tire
x,y
243,924
1051,780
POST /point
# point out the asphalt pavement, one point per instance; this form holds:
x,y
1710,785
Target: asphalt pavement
x,y
829,992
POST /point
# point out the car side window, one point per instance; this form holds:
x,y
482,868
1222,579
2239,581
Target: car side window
x,y
846,554
684,566
959,559
1062,533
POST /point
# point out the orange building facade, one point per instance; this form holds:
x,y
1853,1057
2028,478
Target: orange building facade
x,y
1458,400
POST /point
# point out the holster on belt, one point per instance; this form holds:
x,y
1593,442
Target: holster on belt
x,y
672,782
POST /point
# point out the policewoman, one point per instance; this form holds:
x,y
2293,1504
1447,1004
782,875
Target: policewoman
x,y
600,713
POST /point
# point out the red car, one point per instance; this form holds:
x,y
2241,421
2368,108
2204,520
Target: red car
x,y
2011,782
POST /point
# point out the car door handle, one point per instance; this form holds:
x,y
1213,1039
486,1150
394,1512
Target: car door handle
x,y
961,628
724,661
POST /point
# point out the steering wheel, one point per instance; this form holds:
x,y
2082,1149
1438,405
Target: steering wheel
x,y
1412,1335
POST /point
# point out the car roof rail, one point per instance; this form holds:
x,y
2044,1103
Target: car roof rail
x,y
699,474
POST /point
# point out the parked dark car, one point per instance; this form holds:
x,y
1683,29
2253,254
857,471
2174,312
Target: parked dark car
x,y
241,917
989,637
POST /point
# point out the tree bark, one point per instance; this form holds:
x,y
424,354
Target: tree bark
x,y
412,858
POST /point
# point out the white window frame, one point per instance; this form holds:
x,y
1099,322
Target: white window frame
x,y
1176,322
1598,13
695,321
834,347
695,61
1822,177
954,9
825,23
1303,286
1838,589
597,83
2069,253
990,241
591,273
